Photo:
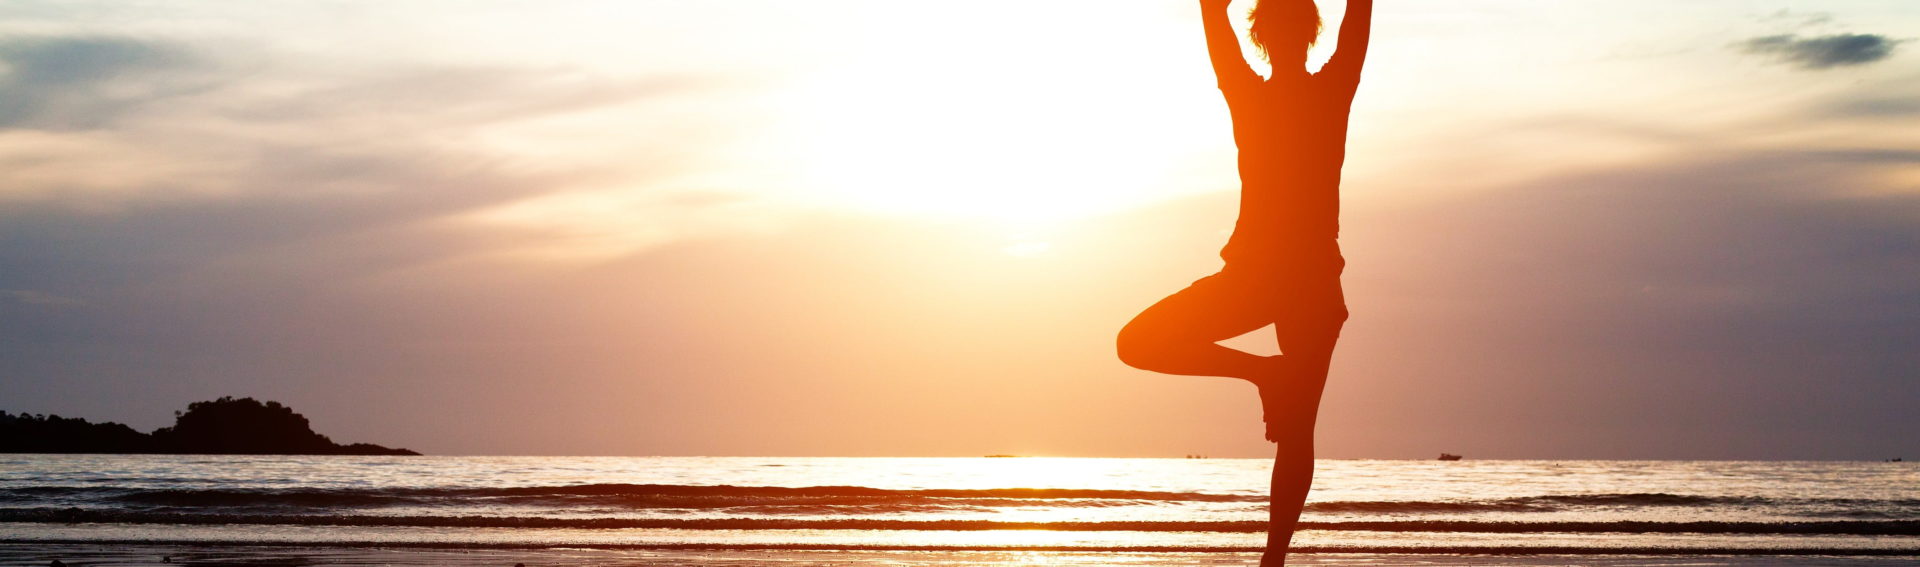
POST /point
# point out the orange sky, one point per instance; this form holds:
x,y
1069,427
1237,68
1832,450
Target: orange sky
x,y
1574,229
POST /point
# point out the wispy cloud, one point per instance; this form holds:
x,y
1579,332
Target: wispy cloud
x,y
1881,107
84,82
1801,19
32,297
1823,52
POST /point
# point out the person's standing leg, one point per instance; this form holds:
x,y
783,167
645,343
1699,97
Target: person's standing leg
x,y
1306,338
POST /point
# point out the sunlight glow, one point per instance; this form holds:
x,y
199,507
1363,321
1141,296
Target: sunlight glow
x,y
1027,249
1049,138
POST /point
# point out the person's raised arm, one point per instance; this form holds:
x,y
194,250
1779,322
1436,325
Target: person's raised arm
x,y
1356,30
1223,46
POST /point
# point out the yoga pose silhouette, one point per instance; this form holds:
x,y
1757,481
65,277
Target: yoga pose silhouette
x,y
1283,261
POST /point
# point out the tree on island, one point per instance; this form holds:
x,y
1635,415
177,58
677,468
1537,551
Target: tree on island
x,y
242,426
27,433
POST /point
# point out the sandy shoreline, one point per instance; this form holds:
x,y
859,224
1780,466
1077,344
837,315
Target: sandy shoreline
x,y
133,554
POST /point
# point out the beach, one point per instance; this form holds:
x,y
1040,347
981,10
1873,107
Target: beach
x,y
140,509
140,555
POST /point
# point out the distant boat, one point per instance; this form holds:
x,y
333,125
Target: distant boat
x,y
1449,457
1003,456
1896,460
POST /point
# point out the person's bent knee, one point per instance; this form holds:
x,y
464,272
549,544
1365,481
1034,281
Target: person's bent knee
x,y
1131,351
1136,348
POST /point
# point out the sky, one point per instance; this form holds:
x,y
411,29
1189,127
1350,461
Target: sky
x,y
1574,230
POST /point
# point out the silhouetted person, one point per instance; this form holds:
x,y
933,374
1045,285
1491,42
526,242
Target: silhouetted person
x,y
1283,261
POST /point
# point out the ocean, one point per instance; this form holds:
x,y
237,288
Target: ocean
x,y
1812,512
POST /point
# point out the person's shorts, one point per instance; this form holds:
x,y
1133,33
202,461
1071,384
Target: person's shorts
x,y
1304,295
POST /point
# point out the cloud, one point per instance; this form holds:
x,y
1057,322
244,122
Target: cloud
x,y
1725,303
99,123
32,297
1886,107
1823,52
81,82
1719,293
1801,19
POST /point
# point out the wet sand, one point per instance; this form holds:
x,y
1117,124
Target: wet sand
x,y
170,555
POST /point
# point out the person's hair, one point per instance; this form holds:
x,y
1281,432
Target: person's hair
x,y
1284,26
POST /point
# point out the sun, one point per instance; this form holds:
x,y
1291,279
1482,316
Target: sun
x,y
1027,248
995,157
1008,131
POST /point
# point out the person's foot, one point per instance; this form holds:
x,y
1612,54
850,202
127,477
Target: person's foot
x,y
1271,383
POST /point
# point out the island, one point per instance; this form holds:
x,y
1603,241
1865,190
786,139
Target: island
x,y
226,426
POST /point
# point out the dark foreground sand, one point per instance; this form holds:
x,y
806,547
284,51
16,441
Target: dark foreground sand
x,y
130,555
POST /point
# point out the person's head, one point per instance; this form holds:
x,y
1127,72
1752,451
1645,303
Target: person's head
x,y
1285,29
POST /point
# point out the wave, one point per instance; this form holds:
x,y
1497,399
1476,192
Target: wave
x,y
744,500
728,496
1636,499
762,501
74,515
676,494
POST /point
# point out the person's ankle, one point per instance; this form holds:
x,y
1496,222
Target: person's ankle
x,y
1266,371
1278,367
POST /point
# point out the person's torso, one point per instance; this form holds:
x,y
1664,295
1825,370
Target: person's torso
x,y
1292,137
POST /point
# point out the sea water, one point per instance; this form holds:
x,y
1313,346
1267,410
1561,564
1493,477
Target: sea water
x,y
1172,505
